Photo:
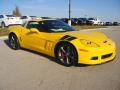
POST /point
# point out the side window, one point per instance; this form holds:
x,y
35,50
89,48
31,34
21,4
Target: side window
x,y
1,16
41,27
32,25
44,26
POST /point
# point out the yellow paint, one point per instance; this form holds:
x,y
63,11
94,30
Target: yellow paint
x,y
45,43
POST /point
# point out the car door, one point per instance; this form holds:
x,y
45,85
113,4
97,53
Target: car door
x,y
35,40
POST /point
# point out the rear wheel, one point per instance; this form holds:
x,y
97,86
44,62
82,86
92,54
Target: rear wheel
x,y
14,43
66,54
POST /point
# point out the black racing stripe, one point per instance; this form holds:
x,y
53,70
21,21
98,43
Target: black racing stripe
x,y
66,36
71,38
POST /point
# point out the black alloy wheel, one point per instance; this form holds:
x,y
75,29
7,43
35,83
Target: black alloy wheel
x,y
66,54
13,41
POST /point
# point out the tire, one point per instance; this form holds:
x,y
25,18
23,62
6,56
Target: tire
x,y
66,54
3,25
13,41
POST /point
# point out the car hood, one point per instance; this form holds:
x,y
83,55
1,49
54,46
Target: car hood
x,y
86,35
93,36
89,35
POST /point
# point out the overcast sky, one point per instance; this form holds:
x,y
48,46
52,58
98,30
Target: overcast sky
x,y
106,10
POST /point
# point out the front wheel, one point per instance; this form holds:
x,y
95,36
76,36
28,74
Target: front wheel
x,y
66,54
3,25
13,41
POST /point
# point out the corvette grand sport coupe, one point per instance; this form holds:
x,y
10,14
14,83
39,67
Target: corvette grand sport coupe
x,y
57,39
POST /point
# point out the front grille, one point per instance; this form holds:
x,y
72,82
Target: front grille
x,y
107,56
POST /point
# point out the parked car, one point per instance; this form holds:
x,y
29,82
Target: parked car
x,y
64,20
84,21
74,21
108,23
80,21
102,23
94,21
68,46
115,23
45,17
25,18
6,20
35,17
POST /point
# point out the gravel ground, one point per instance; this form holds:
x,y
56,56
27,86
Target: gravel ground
x,y
25,70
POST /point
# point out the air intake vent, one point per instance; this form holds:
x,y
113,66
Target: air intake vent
x,y
107,56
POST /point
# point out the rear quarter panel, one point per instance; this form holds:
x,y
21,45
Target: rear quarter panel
x,y
17,30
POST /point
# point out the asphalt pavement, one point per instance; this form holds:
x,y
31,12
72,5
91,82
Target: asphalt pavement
x,y
26,70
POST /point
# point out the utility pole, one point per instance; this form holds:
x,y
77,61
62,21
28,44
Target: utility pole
x,y
69,21
69,9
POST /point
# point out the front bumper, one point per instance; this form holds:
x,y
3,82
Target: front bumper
x,y
96,56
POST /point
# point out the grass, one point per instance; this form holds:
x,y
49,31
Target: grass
x,y
88,27
4,32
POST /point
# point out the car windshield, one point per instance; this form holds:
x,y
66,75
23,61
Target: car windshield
x,y
10,15
54,26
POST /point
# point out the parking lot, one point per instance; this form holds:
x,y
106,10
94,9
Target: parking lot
x,y
26,70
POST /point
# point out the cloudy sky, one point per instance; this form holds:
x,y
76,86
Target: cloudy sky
x,y
106,10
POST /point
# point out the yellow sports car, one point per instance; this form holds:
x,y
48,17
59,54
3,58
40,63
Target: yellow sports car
x,y
57,39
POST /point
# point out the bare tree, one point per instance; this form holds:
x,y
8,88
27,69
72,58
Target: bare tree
x,y
16,12
13,12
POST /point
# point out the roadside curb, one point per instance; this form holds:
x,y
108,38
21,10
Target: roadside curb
x,y
3,37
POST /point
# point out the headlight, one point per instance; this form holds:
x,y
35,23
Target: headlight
x,y
88,43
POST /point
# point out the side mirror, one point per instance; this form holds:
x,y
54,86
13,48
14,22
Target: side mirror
x,y
34,30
